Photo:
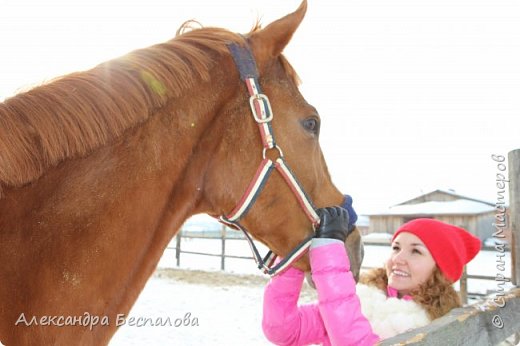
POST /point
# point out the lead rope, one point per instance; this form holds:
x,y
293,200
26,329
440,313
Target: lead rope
x,y
263,115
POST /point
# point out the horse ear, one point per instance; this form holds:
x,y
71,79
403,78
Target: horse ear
x,y
270,41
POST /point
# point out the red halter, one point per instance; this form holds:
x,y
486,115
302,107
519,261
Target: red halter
x,y
263,115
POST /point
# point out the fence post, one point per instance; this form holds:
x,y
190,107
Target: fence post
x,y
178,248
514,213
223,250
463,286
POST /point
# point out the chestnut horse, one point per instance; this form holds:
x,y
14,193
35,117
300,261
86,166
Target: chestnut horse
x,y
99,169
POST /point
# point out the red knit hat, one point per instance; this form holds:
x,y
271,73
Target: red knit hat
x,y
451,247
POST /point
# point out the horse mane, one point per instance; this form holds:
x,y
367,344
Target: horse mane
x,y
77,113
73,115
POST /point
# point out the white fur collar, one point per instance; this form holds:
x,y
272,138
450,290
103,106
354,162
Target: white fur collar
x,y
389,316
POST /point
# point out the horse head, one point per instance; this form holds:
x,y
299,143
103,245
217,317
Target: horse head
x,y
276,217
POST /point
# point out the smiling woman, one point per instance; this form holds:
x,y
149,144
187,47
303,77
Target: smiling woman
x,y
427,258
410,263
414,288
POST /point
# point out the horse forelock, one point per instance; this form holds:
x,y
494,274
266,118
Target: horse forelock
x,y
75,114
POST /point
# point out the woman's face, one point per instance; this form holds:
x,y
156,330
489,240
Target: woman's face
x,y
410,263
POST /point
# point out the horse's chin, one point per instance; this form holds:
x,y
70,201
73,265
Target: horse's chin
x,y
303,264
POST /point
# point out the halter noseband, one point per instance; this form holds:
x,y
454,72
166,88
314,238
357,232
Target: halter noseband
x,y
263,115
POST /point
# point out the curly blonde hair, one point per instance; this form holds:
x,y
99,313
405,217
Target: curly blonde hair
x,y
437,295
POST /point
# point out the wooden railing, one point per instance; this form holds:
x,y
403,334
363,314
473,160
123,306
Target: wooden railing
x,y
482,324
223,237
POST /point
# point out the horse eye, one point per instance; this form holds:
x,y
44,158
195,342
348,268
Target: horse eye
x,y
311,125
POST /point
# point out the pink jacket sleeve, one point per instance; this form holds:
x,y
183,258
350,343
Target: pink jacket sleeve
x,y
338,303
336,319
284,323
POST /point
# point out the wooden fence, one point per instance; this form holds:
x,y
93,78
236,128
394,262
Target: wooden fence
x,y
485,323
224,237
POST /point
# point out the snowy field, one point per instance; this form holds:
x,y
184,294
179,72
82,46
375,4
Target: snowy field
x,y
227,305
225,308
221,313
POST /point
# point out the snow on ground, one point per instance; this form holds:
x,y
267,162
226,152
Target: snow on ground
x,y
219,314
224,308
227,306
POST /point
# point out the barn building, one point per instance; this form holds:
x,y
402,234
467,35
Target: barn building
x,y
475,215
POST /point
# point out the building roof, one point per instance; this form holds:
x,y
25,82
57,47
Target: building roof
x,y
431,208
362,221
446,192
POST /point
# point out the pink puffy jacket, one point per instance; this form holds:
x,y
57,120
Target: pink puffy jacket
x,y
335,320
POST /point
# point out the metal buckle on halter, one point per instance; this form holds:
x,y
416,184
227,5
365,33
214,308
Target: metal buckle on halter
x,y
280,152
261,97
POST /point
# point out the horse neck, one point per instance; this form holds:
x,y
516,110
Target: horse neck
x,y
99,225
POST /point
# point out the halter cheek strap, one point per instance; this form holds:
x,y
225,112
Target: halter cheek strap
x,y
263,115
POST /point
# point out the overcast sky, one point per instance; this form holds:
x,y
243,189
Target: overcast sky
x,y
414,95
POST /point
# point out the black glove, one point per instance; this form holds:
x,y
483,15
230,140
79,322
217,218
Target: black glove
x,y
333,223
